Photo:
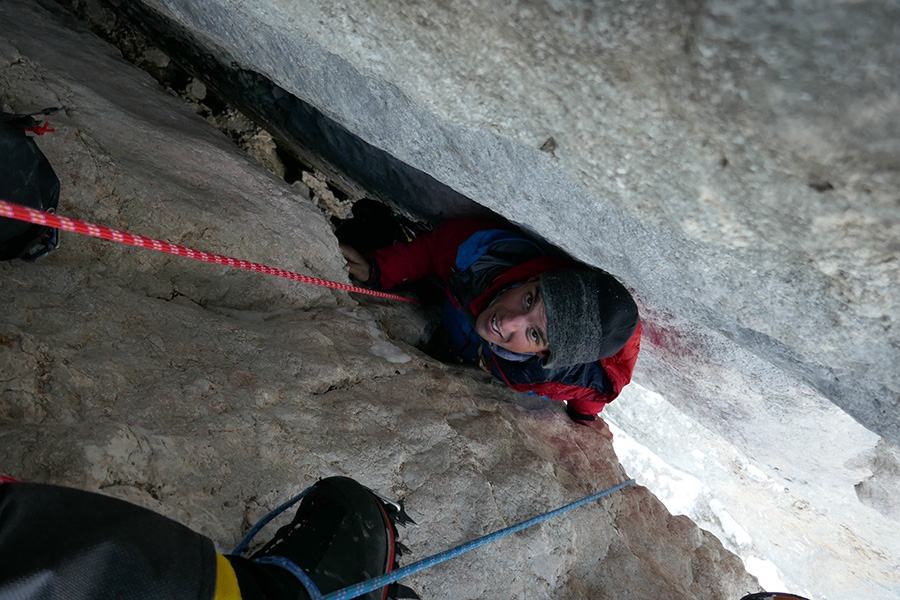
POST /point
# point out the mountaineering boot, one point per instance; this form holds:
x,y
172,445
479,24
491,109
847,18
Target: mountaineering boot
x,y
342,534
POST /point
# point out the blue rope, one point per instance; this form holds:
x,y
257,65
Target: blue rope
x,y
281,561
242,545
289,565
375,583
363,587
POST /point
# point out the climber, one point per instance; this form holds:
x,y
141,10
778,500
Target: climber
x,y
542,324
59,542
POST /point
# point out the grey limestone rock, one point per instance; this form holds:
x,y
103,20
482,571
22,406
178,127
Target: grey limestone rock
x,y
733,162
212,395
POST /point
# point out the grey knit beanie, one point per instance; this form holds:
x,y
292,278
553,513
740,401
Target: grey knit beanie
x,y
590,315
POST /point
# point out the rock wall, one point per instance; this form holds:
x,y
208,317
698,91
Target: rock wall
x,y
734,162
212,395
731,161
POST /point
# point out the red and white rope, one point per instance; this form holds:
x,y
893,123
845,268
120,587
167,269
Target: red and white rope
x,y
29,215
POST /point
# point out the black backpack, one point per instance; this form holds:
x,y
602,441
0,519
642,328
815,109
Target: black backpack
x,y
26,178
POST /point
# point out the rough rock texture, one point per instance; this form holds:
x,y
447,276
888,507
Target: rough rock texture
x,y
213,395
731,161
734,162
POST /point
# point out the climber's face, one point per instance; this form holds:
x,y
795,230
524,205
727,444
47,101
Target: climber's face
x,y
516,320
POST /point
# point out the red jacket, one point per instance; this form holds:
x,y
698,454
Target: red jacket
x,y
446,253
